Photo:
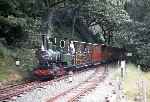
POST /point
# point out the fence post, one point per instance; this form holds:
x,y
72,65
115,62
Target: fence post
x,y
145,91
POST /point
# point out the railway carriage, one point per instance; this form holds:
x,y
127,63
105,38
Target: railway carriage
x,y
96,54
80,55
88,54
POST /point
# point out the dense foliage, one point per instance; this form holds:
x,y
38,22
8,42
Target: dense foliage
x,y
121,23
139,13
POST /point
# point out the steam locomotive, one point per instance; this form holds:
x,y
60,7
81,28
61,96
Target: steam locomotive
x,y
58,60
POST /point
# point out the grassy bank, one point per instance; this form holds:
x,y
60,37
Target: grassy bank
x,y
133,76
8,70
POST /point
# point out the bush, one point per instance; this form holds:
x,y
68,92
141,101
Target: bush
x,y
13,32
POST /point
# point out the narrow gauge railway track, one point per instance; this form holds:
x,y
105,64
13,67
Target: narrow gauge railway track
x,y
16,90
75,93
15,86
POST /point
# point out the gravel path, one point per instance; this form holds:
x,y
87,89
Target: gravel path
x,y
42,94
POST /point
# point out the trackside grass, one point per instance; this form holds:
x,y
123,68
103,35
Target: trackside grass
x,y
131,80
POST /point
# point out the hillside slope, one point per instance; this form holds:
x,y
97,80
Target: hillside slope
x,y
8,69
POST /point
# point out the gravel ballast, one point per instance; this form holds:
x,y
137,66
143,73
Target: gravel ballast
x,y
46,92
